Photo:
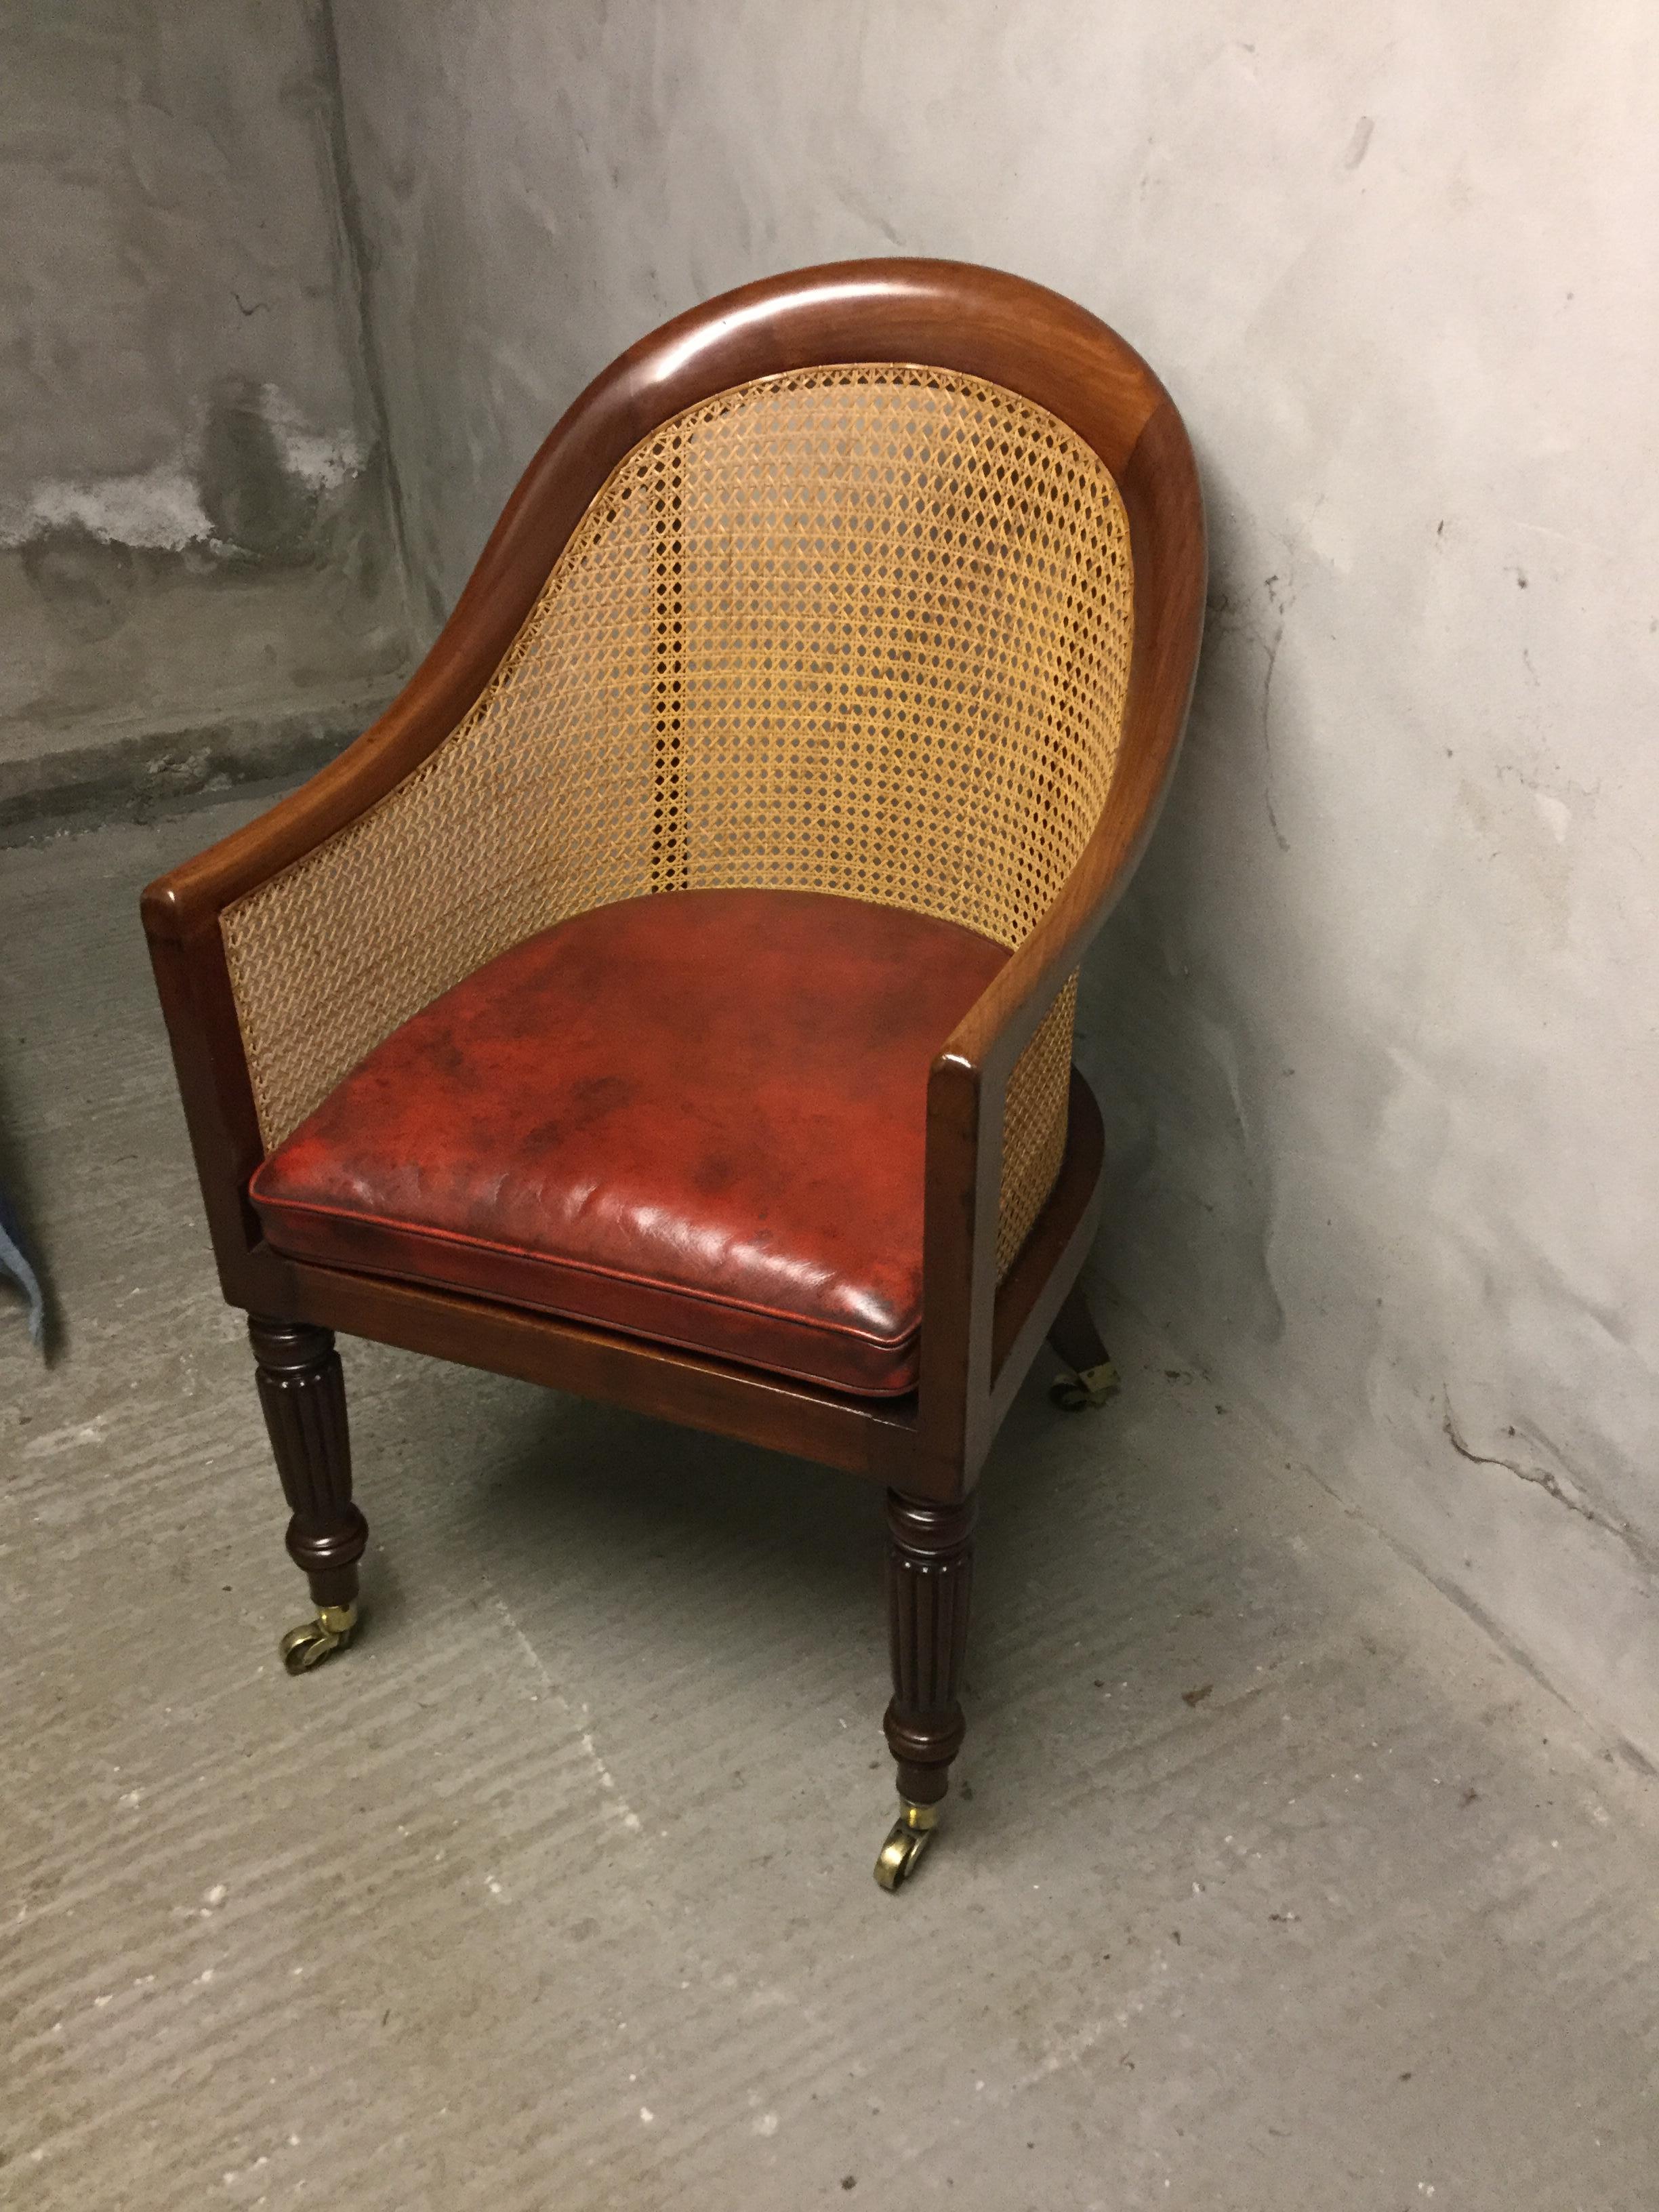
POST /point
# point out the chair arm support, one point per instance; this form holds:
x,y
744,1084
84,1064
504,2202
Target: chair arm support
x,y
966,1106
968,1085
182,910
967,1092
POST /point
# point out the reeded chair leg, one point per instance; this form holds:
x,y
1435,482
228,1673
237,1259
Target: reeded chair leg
x,y
1093,1378
303,1390
930,1571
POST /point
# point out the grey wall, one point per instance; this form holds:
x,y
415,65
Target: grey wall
x,y
1376,1028
196,550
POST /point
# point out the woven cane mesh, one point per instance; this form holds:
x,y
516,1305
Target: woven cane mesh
x,y
1034,1125
859,630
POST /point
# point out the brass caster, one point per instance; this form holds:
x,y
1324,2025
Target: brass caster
x,y
910,1836
1093,1386
309,1644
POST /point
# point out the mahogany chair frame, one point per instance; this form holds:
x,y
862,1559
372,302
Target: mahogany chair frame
x,y
979,1335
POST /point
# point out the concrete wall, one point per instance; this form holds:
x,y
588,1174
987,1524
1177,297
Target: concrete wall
x,y
1375,1027
197,572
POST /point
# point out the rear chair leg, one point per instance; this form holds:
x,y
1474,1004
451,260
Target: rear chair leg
x,y
1093,1378
303,1390
930,1571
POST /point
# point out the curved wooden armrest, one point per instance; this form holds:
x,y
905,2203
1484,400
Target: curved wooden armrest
x,y
182,909
430,706
548,501
968,1082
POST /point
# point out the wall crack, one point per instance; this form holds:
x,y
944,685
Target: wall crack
x,y
1543,1478
1281,601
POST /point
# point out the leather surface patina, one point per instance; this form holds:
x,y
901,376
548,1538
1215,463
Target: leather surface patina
x,y
696,1116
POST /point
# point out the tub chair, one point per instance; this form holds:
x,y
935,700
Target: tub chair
x,y
670,998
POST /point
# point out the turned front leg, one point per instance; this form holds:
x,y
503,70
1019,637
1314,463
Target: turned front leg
x,y
930,1568
302,1391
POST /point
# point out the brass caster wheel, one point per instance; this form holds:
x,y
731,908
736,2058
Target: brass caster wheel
x,y
309,1644
910,1836
1092,1386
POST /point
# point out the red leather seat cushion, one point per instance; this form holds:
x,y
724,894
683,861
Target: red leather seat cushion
x,y
697,1117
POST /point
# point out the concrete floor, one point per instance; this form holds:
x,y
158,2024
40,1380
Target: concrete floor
x,y
1271,1882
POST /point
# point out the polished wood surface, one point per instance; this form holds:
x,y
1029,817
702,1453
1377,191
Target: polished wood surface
x,y
302,1392
930,1580
978,1338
